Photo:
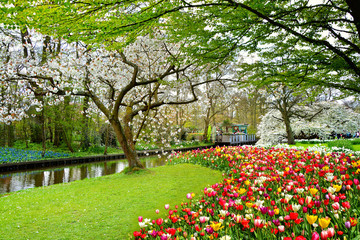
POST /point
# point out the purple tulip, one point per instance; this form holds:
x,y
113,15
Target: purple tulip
x,y
276,222
264,210
209,230
154,233
271,213
348,224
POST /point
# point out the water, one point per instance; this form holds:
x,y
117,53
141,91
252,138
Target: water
x,y
22,180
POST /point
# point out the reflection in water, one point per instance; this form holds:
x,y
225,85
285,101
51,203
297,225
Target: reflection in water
x,y
23,180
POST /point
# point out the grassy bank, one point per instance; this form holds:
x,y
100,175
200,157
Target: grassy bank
x,y
99,208
356,147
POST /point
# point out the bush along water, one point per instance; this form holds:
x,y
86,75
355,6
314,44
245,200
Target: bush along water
x,y
274,193
12,155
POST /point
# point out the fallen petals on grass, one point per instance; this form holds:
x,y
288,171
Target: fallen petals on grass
x,y
267,193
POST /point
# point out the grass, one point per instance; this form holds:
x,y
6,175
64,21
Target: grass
x,y
356,147
99,208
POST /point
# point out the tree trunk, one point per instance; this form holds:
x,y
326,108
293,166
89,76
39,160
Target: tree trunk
x,y
66,128
289,132
67,140
106,139
10,135
355,13
126,144
206,125
2,135
43,135
57,133
85,143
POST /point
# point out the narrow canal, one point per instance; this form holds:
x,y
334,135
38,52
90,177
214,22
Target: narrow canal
x,y
37,178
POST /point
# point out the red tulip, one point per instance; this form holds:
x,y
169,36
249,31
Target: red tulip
x,y
346,205
159,221
324,235
330,232
293,215
335,206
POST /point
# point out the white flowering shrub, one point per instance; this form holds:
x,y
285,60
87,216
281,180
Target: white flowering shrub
x,y
328,118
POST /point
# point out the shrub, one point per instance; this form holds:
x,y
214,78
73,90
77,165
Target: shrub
x,y
341,144
194,136
355,141
96,149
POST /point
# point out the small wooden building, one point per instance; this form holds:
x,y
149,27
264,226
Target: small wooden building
x,y
237,134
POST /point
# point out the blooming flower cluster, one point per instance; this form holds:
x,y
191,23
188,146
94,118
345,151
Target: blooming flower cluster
x,y
12,155
272,193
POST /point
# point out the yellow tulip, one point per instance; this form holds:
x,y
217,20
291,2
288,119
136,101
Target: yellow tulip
x,y
276,211
279,189
337,187
216,226
249,204
247,182
313,191
241,191
324,222
311,219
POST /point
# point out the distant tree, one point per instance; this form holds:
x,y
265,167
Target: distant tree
x,y
326,118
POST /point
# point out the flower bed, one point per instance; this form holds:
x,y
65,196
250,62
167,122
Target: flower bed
x,y
12,155
274,193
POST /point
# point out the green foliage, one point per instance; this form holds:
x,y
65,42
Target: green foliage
x,y
194,136
216,31
99,208
355,141
96,149
251,129
342,143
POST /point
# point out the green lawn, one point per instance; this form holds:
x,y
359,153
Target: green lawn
x,y
99,208
306,145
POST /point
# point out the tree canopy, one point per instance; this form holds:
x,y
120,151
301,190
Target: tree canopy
x,y
316,41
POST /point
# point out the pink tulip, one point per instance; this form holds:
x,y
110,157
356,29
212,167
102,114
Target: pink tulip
x,y
281,228
202,219
315,236
140,218
157,211
188,196
356,181
305,209
166,206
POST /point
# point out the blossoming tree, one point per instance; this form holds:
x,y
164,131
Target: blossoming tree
x,y
124,85
334,117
